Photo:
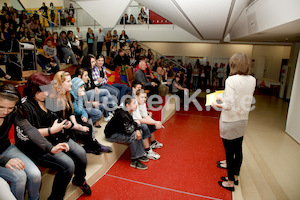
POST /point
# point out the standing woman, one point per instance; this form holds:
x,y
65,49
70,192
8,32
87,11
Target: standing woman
x,y
239,89
71,14
122,39
195,76
52,13
220,75
189,75
108,38
90,40
214,74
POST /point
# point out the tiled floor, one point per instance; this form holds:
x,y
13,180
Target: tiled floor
x,y
270,169
276,154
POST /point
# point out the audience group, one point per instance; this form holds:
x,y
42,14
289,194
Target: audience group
x,y
56,121
142,18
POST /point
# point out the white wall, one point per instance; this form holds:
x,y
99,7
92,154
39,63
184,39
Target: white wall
x,y
292,124
273,56
263,15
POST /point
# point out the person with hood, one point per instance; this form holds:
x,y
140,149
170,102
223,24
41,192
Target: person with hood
x,y
77,96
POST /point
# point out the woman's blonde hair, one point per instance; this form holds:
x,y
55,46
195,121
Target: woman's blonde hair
x,y
239,64
58,92
139,92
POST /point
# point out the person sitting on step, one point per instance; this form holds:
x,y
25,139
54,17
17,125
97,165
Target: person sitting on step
x,y
123,129
145,117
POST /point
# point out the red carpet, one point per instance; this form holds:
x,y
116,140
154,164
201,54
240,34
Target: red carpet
x,y
186,170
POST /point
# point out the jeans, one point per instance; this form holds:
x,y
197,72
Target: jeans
x,y
40,62
124,89
45,61
68,52
31,174
136,146
66,164
121,89
56,61
115,44
104,95
195,82
147,130
112,90
5,191
95,113
234,156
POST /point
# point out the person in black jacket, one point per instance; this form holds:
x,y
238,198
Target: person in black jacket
x,y
15,166
72,159
123,129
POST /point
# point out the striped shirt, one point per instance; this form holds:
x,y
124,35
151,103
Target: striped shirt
x,y
99,74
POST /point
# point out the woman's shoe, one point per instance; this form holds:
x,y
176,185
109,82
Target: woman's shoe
x,y
219,165
226,179
227,188
97,126
220,162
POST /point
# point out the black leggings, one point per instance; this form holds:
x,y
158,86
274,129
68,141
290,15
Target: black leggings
x,y
234,156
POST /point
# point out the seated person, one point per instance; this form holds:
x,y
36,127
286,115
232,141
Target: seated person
x,y
93,93
161,80
148,70
141,77
65,153
96,107
77,96
49,57
76,47
61,102
99,77
120,59
136,85
177,88
147,125
123,129
15,166
65,47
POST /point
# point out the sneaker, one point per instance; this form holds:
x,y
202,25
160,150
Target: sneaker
x,y
93,149
102,148
156,145
48,68
152,155
108,118
53,64
85,188
138,165
143,159
105,149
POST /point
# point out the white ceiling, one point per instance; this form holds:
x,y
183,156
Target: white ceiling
x,y
261,21
233,21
